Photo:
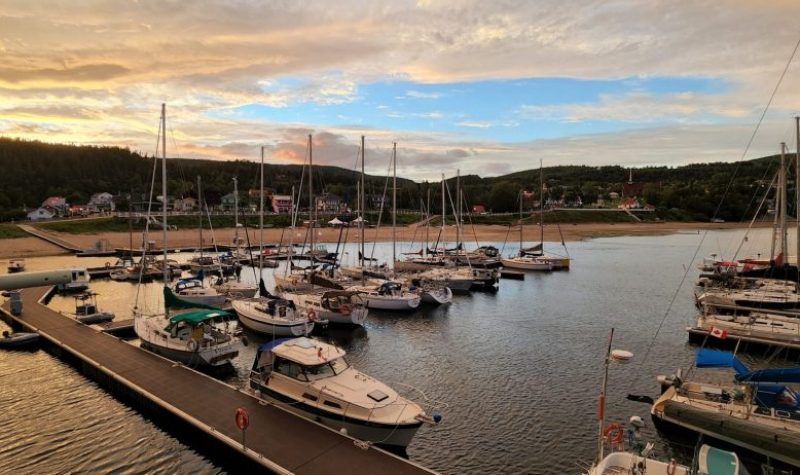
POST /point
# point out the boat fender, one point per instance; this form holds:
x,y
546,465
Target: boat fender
x,y
312,315
191,345
614,433
245,342
346,309
671,467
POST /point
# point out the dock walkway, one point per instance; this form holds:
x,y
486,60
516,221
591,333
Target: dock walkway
x,y
276,439
45,236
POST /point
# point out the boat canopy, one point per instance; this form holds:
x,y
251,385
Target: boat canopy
x,y
197,317
303,350
171,301
720,359
771,375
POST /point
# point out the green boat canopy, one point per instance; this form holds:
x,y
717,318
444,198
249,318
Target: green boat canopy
x,y
197,317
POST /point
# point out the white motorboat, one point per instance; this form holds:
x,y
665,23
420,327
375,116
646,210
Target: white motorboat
x,y
195,291
527,263
79,283
313,379
16,265
86,310
389,296
336,306
274,316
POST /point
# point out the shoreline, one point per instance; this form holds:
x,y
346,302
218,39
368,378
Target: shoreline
x,y
189,239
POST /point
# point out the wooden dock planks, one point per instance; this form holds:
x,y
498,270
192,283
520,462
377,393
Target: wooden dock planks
x,y
286,441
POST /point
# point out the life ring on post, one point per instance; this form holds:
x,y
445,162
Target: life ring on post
x,y
242,418
191,345
613,433
346,309
312,315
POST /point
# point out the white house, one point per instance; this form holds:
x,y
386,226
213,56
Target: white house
x,y
281,203
41,214
101,202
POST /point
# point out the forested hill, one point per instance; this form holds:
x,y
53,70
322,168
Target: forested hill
x,y
33,171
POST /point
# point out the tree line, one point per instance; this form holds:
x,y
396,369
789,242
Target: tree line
x,y
33,170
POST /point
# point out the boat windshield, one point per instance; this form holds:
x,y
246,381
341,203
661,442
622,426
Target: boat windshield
x,y
326,370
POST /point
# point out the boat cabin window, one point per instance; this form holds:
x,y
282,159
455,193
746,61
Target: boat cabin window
x,y
289,368
326,370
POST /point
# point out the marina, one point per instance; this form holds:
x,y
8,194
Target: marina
x,y
533,336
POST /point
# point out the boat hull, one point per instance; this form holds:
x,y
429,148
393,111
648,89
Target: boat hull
x,y
389,435
253,320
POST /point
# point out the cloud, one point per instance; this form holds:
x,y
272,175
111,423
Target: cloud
x,y
423,95
85,73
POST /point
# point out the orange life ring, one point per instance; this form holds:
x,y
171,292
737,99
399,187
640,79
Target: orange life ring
x,y
242,418
346,309
312,315
614,433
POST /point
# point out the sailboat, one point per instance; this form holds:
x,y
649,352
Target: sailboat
x,y
557,262
267,313
196,334
233,286
335,306
523,260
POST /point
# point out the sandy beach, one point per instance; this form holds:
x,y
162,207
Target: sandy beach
x,y
189,239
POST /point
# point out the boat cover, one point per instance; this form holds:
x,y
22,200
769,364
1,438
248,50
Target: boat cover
x,y
720,359
198,316
771,375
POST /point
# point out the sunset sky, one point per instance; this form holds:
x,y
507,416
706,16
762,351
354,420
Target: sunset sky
x,y
489,87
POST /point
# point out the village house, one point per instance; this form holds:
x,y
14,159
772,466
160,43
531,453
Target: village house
x,y
630,203
41,214
184,205
102,201
478,209
329,203
281,204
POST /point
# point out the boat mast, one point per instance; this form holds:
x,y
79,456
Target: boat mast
x,y
363,204
541,206
601,406
784,231
428,222
236,213
311,198
261,223
200,207
164,190
458,207
394,204
443,210
797,191
520,223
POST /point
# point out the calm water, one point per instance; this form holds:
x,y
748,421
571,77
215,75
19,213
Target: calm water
x,y
518,370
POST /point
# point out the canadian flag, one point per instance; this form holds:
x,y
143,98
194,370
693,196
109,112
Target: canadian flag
x,y
719,333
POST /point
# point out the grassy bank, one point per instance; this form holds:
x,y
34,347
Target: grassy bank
x,y
11,231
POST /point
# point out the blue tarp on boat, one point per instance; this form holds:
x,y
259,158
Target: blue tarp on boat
x,y
720,359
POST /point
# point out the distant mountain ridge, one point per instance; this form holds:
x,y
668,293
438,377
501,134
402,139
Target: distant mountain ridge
x,y
34,170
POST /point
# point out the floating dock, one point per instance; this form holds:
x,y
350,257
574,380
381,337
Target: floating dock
x,y
512,274
276,440
45,236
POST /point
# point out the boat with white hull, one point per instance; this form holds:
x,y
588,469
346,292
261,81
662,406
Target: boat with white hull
x,y
336,306
313,379
389,296
194,290
272,316
527,263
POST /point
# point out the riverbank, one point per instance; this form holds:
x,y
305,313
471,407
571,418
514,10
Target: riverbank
x,y
189,239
